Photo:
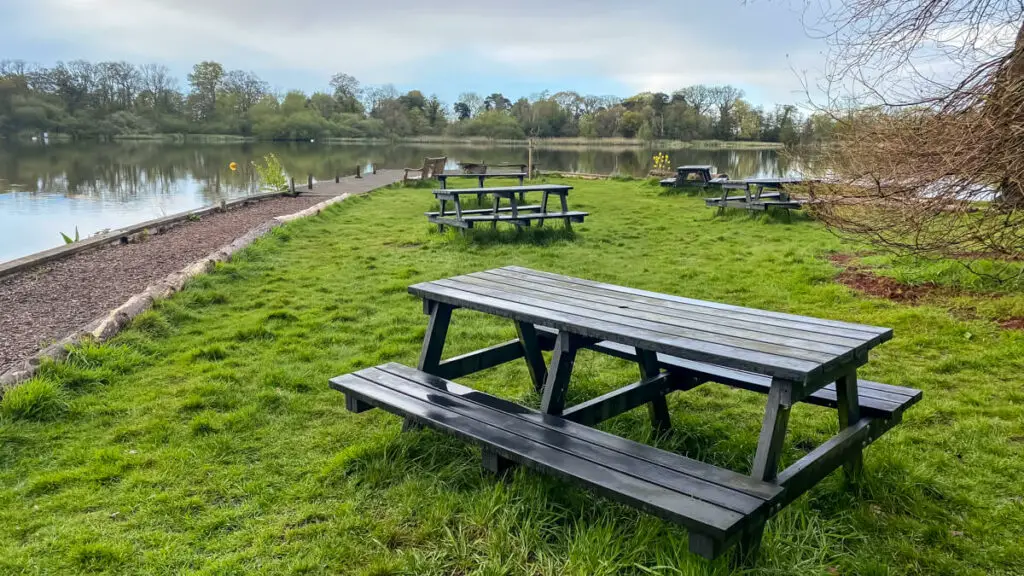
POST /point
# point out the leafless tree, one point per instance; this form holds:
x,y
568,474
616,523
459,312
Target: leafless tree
x,y
928,154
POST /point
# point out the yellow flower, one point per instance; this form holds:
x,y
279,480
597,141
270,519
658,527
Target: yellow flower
x,y
233,166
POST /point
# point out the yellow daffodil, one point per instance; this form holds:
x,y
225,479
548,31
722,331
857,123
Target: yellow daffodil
x,y
233,166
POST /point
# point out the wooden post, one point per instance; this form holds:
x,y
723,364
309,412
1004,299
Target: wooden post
x,y
359,171
309,182
374,166
291,185
529,159
337,179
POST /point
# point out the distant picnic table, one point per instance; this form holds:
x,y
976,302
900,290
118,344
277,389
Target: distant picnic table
x,y
678,344
754,196
515,213
481,177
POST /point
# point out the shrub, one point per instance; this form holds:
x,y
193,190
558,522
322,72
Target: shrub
x,y
36,399
271,174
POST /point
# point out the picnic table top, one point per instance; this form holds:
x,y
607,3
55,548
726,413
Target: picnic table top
x,y
795,348
770,180
696,167
490,175
507,189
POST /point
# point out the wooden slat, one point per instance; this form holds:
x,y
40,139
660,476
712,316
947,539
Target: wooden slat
x,y
530,216
488,210
703,322
681,464
482,425
883,333
748,316
766,363
789,349
553,188
666,478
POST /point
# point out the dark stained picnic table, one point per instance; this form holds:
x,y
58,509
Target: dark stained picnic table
x,y
515,213
678,343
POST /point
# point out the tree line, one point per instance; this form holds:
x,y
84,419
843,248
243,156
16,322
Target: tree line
x,y
85,100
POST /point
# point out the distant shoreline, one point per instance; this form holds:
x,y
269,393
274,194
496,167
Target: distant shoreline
x,y
474,141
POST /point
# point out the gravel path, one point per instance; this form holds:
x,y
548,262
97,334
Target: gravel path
x,y
46,303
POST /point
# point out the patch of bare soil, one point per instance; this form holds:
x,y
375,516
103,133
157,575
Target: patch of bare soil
x,y
1012,324
867,282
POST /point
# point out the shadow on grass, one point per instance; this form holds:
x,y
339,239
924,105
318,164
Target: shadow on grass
x,y
769,216
687,191
483,235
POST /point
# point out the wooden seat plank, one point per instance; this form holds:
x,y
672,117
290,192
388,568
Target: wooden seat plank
x,y
723,477
875,399
412,384
530,216
528,207
473,422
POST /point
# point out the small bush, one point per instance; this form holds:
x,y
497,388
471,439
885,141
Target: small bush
x,y
38,399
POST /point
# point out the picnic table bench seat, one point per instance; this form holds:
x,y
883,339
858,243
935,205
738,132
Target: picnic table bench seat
x,y
525,208
876,400
715,504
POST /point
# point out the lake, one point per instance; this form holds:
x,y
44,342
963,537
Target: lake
x,y
47,189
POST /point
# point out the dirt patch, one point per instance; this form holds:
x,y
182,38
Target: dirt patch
x,y
883,287
45,303
867,282
1012,324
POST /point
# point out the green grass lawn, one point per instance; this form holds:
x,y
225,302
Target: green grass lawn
x,y
204,440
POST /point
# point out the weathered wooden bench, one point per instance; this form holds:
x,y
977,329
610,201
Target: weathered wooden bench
x,y
512,214
716,505
876,400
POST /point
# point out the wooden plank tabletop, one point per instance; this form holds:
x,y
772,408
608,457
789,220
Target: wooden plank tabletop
x,y
788,346
506,189
490,175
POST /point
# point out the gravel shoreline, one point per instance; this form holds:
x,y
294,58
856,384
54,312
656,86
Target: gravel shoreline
x,y
44,304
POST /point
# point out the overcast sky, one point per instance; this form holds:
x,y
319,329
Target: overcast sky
x,y
446,47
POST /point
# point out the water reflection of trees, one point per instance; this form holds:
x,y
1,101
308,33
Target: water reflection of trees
x,y
127,171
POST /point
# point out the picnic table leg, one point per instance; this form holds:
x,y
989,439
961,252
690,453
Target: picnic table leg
x,y
543,207
433,344
497,205
531,352
440,227
565,208
557,383
658,407
847,398
515,210
773,431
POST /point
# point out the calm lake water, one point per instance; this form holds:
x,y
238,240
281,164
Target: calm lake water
x,y
49,189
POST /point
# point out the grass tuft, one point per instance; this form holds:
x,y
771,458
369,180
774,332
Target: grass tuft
x,y
38,399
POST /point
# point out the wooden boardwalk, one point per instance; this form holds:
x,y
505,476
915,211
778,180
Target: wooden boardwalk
x,y
351,184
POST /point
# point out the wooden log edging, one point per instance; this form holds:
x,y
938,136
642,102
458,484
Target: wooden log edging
x,y
108,325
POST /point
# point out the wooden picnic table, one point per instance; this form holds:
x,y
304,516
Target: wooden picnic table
x,y
678,343
758,200
516,213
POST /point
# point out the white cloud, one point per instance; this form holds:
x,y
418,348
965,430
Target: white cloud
x,y
651,46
